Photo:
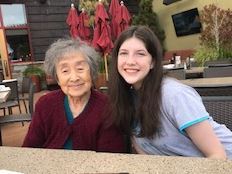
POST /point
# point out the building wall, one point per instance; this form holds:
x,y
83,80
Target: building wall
x,y
47,23
165,12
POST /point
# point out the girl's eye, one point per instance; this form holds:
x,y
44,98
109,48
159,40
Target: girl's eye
x,y
123,53
141,54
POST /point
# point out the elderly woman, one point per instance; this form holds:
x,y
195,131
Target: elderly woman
x,y
74,116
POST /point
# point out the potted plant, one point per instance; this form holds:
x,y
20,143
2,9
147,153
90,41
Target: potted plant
x,y
36,74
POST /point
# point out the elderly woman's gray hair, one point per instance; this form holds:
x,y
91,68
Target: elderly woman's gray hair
x,y
65,46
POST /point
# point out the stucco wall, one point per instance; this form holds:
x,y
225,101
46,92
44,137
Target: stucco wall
x,y
165,12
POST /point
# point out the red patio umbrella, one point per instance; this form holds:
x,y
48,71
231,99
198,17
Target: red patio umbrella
x,y
73,21
102,34
83,27
113,10
123,19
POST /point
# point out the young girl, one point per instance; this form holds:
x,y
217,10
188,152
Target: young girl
x,y
162,115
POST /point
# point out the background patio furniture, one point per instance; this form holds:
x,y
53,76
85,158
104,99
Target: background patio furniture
x,y
218,86
194,72
216,62
225,71
177,73
24,92
1,75
214,91
19,117
13,98
220,108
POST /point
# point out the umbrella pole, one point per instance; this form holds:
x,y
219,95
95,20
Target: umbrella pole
x,y
106,67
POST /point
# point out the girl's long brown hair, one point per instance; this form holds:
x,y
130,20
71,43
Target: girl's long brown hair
x,y
149,96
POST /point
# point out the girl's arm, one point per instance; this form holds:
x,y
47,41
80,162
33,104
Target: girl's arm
x,y
205,139
135,147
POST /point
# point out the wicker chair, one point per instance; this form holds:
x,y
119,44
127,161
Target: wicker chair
x,y
214,91
220,108
19,117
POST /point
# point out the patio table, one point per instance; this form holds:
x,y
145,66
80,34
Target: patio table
x,y
194,72
211,86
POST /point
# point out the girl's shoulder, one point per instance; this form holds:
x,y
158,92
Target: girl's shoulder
x,y
172,86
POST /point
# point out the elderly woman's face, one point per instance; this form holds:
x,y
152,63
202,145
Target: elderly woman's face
x,y
73,73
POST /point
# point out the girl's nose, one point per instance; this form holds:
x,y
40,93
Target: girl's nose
x,y
130,60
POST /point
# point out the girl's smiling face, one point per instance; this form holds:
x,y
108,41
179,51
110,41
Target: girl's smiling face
x,y
134,61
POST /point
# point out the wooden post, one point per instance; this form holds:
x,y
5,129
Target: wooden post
x,y
4,56
106,66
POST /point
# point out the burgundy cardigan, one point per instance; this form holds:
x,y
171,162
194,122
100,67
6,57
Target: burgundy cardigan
x,y
49,127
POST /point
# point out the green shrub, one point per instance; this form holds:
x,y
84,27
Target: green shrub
x,y
204,54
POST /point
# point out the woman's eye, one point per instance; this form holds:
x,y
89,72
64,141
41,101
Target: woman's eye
x,y
64,71
80,69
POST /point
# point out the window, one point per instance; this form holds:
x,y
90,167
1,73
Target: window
x,y
18,45
14,22
14,15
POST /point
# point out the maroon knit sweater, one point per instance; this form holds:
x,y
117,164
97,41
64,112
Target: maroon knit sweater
x,y
49,127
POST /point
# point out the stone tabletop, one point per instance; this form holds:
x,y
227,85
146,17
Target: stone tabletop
x,y
36,161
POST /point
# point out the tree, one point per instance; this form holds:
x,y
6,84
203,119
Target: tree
x,y
216,35
217,31
148,17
